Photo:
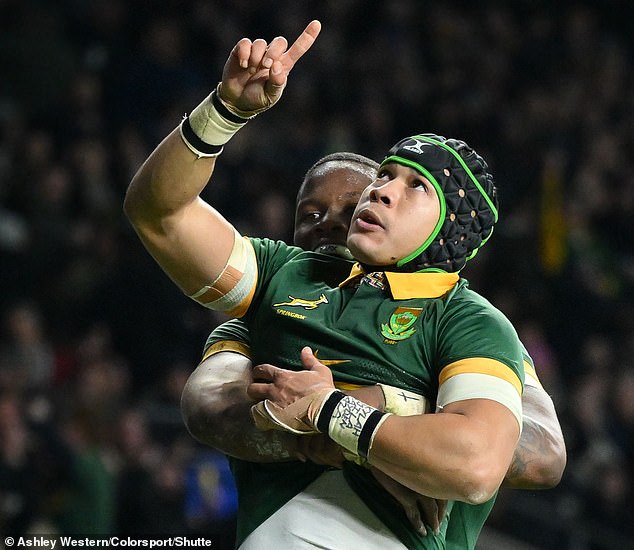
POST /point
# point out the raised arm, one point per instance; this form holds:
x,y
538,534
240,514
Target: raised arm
x,y
187,237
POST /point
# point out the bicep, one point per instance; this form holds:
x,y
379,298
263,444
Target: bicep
x,y
192,245
189,239
216,410
462,452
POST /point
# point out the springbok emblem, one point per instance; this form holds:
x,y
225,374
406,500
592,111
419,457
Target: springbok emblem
x,y
300,302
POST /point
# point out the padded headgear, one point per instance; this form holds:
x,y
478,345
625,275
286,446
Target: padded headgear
x,y
468,201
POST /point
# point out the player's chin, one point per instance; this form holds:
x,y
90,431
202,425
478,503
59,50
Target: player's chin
x,y
365,249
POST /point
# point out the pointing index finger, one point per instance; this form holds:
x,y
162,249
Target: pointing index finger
x,y
304,42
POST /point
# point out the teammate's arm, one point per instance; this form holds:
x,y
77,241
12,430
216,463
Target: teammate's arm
x,y
215,407
216,410
461,453
540,456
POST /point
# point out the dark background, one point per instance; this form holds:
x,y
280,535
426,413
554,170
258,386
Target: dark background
x,y
96,342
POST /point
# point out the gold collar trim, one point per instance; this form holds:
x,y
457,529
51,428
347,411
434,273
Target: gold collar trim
x,y
404,286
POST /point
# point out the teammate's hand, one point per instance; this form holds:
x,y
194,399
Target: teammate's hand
x,y
283,387
290,400
255,73
421,511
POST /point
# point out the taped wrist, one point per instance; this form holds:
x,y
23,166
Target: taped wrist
x,y
350,423
298,417
403,402
209,126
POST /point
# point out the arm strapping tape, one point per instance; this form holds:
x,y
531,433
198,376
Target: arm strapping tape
x,y
235,284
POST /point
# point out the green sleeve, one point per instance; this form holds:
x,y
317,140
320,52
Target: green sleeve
x,y
235,330
472,327
271,256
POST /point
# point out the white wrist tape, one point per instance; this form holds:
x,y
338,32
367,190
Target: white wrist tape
x,y
209,126
402,402
350,422
297,418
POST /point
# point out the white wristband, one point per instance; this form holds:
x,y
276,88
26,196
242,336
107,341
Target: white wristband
x,y
350,422
209,126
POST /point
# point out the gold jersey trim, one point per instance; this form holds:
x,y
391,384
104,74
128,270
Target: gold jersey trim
x,y
405,286
481,365
531,376
227,345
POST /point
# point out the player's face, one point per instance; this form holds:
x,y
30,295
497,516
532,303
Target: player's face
x,y
325,207
395,215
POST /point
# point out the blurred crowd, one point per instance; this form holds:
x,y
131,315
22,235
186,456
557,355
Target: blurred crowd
x,y
96,343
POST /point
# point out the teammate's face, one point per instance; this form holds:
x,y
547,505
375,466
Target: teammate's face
x,y
325,207
395,215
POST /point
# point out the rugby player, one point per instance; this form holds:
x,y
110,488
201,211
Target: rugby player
x,y
215,403
407,282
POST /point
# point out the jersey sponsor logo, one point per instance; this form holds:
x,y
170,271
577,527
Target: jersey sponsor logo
x,y
301,302
399,327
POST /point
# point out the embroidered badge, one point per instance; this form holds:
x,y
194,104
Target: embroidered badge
x,y
401,321
300,302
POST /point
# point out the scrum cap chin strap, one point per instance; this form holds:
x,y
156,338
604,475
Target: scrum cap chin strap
x,y
468,201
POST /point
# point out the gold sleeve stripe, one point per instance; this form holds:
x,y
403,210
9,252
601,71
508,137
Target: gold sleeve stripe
x,y
480,386
531,376
481,365
227,345
346,386
234,288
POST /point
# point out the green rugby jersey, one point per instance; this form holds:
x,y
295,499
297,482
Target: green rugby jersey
x,y
401,329
465,521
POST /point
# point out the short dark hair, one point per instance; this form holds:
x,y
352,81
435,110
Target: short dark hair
x,y
346,159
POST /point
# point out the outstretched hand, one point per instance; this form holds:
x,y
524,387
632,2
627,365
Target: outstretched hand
x,y
255,73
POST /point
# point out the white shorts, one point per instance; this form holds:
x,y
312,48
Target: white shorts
x,y
327,515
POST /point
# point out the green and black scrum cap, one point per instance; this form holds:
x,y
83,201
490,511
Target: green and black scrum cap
x,y
468,201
